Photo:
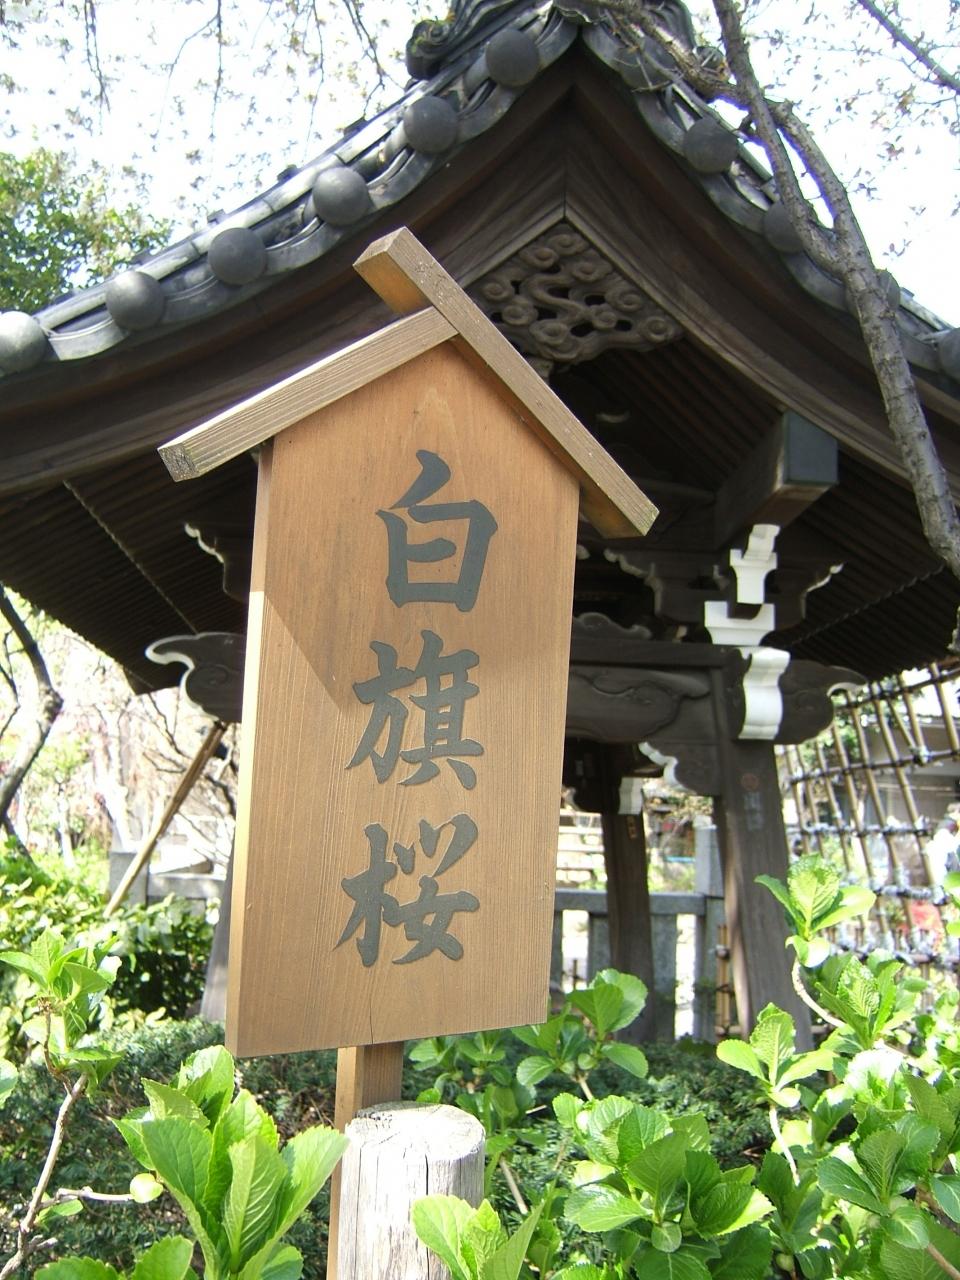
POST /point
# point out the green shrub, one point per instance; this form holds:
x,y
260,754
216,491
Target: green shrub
x,y
298,1090
163,947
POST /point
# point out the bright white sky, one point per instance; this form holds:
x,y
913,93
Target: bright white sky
x,y
161,132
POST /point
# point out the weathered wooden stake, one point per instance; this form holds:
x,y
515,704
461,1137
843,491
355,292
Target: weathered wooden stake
x,y
367,1075
397,1154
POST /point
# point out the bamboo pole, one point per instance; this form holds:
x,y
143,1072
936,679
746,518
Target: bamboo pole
x,y
185,786
949,723
853,800
835,812
813,809
892,861
917,728
903,782
795,775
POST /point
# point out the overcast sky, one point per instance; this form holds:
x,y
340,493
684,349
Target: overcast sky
x,y
189,158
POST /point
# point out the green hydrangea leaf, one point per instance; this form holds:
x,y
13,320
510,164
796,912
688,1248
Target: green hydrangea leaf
x,y
168,1259
439,1222
601,1208
627,1057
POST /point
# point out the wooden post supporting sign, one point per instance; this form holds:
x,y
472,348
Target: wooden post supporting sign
x,y
405,685
396,1155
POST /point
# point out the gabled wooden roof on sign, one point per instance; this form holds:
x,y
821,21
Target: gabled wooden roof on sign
x,y
413,283
604,218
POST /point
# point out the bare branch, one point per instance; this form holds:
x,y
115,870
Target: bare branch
x,y
13,834
369,44
63,1194
9,720
6,674
218,83
92,49
48,707
855,265
765,115
946,1266
26,1241
845,255
948,79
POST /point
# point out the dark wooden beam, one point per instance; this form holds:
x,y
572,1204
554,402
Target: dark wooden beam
x,y
778,480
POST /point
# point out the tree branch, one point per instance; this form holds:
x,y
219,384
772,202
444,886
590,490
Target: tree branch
x,y
64,1194
92,43
25,1242
846,256
761,110
935,1254
49,703
947,79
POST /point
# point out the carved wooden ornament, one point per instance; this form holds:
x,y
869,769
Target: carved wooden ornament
x,y
404,692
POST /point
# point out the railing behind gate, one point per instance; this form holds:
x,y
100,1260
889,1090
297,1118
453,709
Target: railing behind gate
x,y
686,964
688,953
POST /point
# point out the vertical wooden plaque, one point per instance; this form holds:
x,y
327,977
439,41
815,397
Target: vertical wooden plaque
x,y
401,763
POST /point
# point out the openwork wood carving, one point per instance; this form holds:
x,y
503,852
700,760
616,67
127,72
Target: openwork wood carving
x,y
559,301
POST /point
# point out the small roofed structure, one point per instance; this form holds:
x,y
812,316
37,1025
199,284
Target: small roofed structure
x,y
625,240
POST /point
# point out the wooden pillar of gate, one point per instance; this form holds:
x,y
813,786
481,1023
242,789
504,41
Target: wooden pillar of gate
x,y
595,770
753,841
628,912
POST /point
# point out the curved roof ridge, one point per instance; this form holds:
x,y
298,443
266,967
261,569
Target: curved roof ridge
x,y
468,72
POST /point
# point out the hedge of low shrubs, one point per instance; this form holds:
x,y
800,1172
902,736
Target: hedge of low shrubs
x,y
298,1090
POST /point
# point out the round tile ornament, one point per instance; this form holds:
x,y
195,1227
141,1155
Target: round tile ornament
x,y
779,229
340,196
512,59
23,342
237,256
430,125
709,146
135,300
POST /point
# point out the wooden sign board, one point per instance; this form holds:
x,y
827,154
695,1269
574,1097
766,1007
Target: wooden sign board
x,y
403,719
405,682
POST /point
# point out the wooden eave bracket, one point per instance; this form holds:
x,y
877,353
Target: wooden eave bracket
x,y
434,309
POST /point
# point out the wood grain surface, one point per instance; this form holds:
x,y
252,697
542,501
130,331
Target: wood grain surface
x,y
367,1075
319,601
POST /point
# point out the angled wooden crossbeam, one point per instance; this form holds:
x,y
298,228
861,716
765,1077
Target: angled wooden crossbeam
x,y
434,310
212,443
407,277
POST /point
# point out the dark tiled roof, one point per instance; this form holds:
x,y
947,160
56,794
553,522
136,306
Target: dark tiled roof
x,y
468,72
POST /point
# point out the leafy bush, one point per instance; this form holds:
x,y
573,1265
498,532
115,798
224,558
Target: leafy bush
x,y
861,1177
163,947
298,1090
211,1146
